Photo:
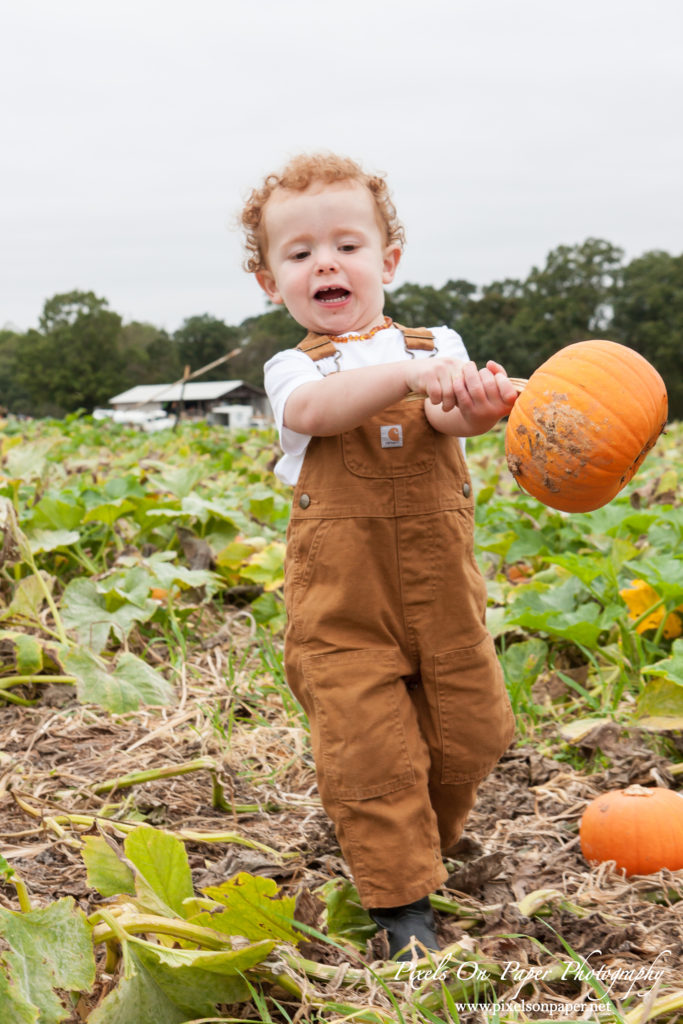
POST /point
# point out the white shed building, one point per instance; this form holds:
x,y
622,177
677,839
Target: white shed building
x,y
232,403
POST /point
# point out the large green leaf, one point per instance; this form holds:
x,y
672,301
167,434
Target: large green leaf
x,y
554,612
84,610
49,949
170,986
253,909
131,684
163,880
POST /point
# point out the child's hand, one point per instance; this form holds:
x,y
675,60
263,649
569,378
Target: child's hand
x,y
437,379
482,397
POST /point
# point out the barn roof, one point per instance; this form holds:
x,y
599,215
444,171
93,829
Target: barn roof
x,y
194,391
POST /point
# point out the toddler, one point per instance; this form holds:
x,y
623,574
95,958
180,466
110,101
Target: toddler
x,y
386,646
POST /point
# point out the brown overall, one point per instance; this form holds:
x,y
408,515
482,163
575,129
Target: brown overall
x,y
386,646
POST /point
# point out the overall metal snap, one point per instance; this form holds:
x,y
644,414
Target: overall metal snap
x,y
304,501
466,490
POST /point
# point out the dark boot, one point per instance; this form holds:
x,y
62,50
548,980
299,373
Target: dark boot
x,y
403,923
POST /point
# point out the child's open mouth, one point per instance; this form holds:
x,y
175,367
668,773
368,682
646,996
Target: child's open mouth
x,y
330,296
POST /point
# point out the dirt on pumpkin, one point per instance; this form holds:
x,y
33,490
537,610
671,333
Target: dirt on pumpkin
x,y
526,899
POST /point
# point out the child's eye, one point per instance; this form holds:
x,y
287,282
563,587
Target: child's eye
x,y
300,255
348,247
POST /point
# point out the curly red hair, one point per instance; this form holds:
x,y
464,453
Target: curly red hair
x,y
300,172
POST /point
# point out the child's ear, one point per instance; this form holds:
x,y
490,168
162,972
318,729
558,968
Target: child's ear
x,y
267,282
392,256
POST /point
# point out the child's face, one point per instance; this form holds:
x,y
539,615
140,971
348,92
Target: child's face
x,y
327,258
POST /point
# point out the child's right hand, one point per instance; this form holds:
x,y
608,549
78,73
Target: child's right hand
x,y
439,379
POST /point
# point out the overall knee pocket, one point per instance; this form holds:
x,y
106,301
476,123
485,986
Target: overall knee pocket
x,y
358,727
475,716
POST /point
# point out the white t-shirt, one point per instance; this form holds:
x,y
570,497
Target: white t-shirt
x,y
288,370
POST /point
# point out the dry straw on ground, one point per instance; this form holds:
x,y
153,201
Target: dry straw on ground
x,y
520,892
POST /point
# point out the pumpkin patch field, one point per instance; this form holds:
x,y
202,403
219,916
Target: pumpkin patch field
x,y
164,857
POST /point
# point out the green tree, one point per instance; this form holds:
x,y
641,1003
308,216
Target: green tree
x,y
75,361
417,305
569,299
150,356
13,398
648,316
203,339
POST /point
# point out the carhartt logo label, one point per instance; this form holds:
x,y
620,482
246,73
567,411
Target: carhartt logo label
x,y
392,436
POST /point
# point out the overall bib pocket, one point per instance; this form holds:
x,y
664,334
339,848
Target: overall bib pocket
x,y
360,705
477,723
395,443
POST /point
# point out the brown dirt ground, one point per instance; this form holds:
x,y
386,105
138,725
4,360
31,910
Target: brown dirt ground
x,y
521,837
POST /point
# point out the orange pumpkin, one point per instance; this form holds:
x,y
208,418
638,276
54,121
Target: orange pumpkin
x,y
583,424
640,828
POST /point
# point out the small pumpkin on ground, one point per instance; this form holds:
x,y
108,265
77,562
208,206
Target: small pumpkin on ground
x,y
640,828
583,424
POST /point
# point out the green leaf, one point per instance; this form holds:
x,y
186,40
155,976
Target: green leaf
x,y
661,700
84,611
267,610
584,567
104,870
267,566
131,684
50,540
253,910
669,668
553,613
29,597
179,481
58,512
58,938
29,654
109,512
6,869
171,986
28,461
665,574
522,662
163,880
346,918
27,651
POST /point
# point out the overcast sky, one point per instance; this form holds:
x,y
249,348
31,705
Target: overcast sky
x,y
132,130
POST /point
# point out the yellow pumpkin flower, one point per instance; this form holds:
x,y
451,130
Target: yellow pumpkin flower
x,y
639,597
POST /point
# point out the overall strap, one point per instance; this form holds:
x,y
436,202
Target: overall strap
x,y
320,346
417,337
317,346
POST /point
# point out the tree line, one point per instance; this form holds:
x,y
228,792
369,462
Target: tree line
x,y
82,353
